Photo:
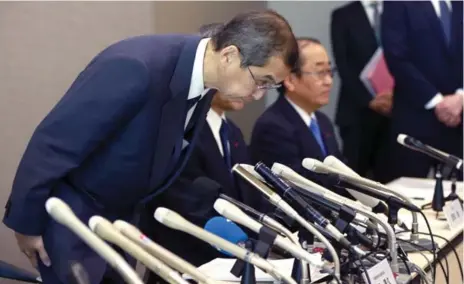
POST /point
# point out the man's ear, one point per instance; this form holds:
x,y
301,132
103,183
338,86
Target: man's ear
x,y
229,54
289,82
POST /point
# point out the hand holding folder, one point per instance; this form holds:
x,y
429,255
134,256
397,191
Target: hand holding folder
x,y
376,76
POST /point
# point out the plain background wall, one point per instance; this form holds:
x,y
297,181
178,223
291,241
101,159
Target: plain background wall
x,y
43,46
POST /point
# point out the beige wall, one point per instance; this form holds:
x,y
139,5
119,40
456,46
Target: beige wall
x,y
43,46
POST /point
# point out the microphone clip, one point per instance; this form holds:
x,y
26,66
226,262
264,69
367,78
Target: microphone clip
x,y
245,269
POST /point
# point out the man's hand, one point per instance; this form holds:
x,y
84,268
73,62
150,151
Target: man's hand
x,y
449,110
31,246
382,103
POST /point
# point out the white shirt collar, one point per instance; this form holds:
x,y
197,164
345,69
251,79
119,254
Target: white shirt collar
x,y
367,4
368,9
436,6
197,85
306,117
214,121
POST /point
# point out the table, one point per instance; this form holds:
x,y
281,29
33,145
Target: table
x,y
416,187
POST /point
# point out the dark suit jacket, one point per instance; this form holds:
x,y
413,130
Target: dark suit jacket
x,y
280,135
423,65
196,204
353,44
106,145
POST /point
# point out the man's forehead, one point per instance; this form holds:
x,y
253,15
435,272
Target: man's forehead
x,y
314,55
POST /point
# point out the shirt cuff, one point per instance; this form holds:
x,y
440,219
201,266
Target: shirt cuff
x,y
434,101
460,92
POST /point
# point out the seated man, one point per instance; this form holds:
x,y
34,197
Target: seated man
x,y
219,147
292,129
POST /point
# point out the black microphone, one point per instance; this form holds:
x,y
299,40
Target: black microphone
x,y
309,211
344,212
441,156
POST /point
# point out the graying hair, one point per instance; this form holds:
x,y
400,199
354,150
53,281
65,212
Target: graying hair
x,y
209,30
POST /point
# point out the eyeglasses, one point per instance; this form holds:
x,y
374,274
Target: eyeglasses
x,y
265,86
321,74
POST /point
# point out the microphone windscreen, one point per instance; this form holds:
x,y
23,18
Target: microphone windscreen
x,y
227,230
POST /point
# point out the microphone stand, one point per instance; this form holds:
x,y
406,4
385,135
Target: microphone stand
x,y
453,196
261,248
438,200
362,184
300,269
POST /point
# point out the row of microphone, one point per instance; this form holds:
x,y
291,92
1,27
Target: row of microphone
x,y
304,195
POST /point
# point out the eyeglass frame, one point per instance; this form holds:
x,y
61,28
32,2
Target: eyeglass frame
x,y
321,74
263,87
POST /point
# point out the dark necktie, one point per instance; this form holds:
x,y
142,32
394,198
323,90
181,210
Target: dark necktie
x,y
192,122
192,102
224,134
376,20
314,127
445,17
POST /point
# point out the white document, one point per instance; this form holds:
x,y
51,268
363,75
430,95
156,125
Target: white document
x,y
219,269
380,273
454,214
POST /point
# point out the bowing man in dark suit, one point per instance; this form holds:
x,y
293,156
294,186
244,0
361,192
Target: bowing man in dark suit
x,y
220,145
125,129
362,117
423,43
292,129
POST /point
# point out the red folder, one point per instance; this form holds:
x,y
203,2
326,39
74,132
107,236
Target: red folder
x,y
376,76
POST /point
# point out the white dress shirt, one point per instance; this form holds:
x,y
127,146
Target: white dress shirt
x,y
439,97
197,86
214,121
370,10
306,117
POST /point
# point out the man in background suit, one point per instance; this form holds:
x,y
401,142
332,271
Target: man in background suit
x,y
423,44
125,128
363,118
292,129
220,146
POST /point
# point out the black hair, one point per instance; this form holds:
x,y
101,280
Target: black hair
x,y
259,35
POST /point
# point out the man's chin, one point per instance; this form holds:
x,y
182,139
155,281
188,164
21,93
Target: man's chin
x,y
237,105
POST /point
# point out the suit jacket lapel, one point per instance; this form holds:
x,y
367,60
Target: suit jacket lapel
x,y
327,135
174,172
171,125
435,23
362,25
199,115
306,138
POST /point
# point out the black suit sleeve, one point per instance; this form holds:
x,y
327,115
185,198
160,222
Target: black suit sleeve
x,y
349,77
